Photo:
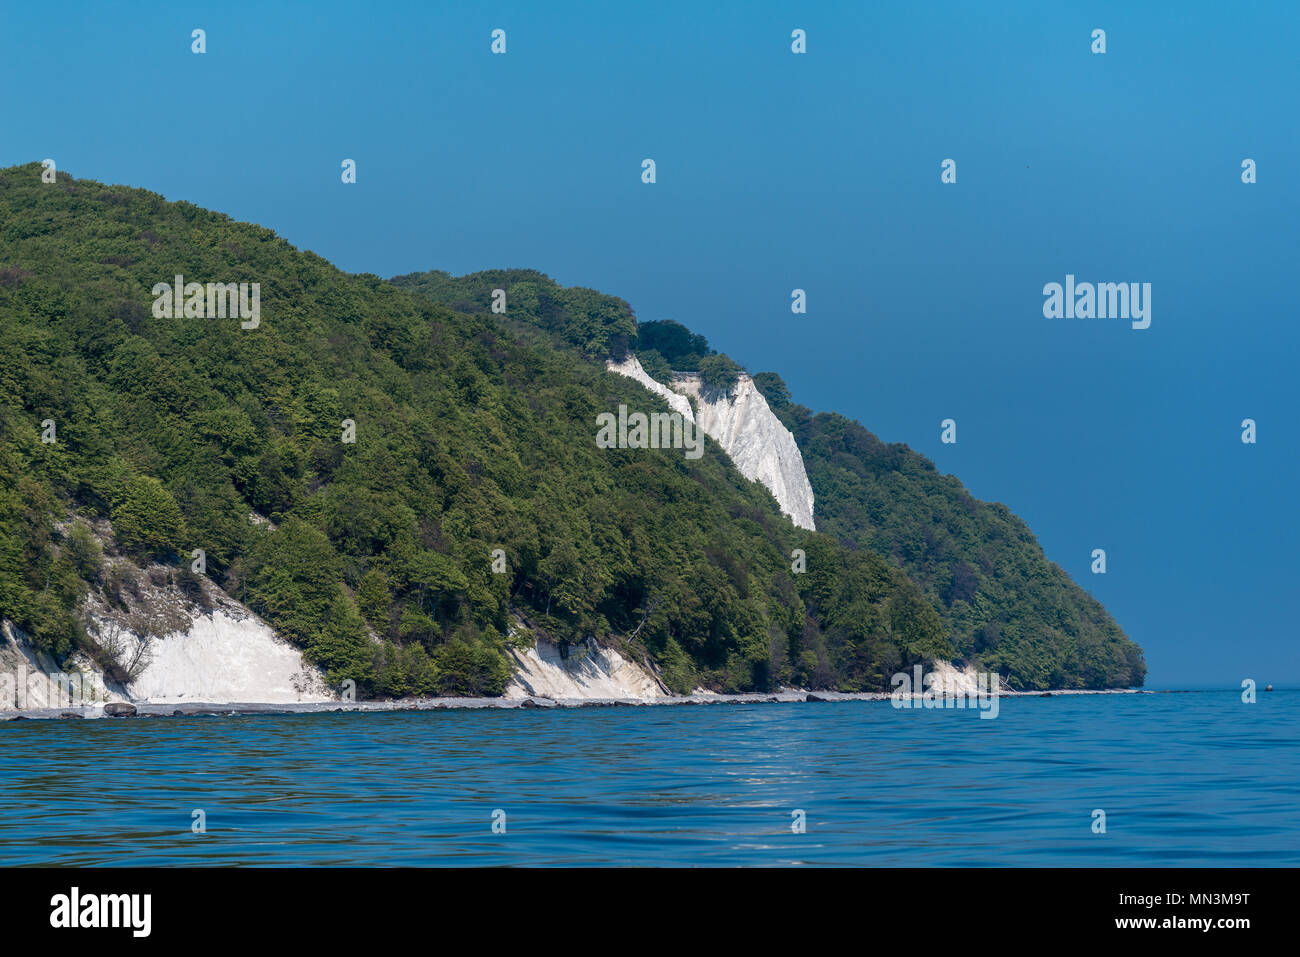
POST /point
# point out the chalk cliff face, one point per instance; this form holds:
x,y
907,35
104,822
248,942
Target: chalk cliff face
x,y
214,651
589,671
631,367
227,655
30,680
761,447
167,649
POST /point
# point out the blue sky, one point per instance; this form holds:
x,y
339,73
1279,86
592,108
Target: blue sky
x,y
822,172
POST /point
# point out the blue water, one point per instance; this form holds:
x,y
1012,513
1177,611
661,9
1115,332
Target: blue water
x,y
1184,779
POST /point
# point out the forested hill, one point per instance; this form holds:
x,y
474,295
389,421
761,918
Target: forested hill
x,y
1002,602
473,507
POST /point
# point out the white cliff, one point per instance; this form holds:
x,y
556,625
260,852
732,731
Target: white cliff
x,y
631,367
227,655
589,671
213,650
746,428
155,644
30,680
963,679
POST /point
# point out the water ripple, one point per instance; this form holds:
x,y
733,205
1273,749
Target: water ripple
x,y
1195,779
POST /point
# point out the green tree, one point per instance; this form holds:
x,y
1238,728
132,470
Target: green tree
x,y
655,365
147,522
719,373
471,668
292,579
83,551
342,647
917,627
773,388
375,600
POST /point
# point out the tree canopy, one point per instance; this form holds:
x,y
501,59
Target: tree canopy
x,y
472,438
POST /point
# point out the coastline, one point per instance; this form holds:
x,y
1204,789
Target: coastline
x,y
144,709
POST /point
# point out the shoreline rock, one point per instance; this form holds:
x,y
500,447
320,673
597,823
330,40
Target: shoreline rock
x,y
533,702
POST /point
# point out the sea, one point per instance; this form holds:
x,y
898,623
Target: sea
x,y
1162,779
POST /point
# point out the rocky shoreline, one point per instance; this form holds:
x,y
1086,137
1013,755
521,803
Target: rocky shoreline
x,y
121,709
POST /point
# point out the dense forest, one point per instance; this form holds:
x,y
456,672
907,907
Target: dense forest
x,y
473,508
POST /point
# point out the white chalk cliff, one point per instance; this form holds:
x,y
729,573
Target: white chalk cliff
x,y
216,651
761,447
171,651
30,680
589,671
227,655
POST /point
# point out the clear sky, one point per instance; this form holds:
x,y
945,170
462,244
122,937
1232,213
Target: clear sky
x,y
818,171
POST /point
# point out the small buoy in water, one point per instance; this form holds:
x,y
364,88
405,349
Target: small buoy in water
x,y
1268,687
